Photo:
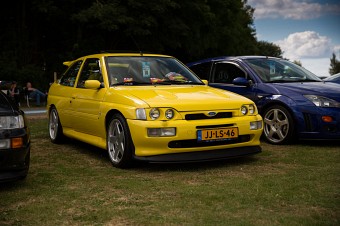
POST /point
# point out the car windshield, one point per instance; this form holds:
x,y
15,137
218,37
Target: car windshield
x,y
148,71
278,70
333,77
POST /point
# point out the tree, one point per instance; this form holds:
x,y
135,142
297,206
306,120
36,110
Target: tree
x,y
268,49
335,65
297,62
39,35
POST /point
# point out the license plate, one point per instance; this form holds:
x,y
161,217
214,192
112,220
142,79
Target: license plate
x,y
217,134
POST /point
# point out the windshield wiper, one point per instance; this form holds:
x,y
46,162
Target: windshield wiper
x,y
310,80
130,83
291,81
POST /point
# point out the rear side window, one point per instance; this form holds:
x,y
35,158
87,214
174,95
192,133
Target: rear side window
x,y
202,70
69,77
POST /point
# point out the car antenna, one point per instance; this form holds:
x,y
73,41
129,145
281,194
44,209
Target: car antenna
x,y
140,51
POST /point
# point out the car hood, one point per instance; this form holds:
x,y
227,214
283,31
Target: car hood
x,y
186,98
330,90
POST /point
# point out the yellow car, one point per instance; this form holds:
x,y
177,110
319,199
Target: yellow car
x,y
150,107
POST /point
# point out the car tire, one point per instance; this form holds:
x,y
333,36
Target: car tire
x,y
119,143
54,127
278,125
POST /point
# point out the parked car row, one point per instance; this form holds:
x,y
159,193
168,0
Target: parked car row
x,y
153,108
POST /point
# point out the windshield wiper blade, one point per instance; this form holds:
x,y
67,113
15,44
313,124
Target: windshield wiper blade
x,y
130,83
309,80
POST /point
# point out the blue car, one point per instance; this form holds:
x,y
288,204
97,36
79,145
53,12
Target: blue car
x,y
294,103
333,78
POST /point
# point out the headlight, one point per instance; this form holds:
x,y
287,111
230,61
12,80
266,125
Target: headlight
x,y
140,113
321,101
12,122
169,114
154,113
251,109
244,110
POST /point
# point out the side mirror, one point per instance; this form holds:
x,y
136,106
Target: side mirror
x,y
205,82
240,81
92,84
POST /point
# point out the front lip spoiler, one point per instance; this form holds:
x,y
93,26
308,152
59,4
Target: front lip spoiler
x,y
201,156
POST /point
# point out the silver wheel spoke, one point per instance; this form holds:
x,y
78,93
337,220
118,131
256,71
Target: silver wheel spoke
x,y
276,125
116,139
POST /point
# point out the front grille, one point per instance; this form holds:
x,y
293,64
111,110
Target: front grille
x,y
194,143
203,116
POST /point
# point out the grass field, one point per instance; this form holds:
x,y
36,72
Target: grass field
x,y
75,184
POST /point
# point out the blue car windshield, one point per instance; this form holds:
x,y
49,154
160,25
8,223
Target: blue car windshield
x,y
278,70
148,71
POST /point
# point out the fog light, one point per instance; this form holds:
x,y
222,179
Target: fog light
x,y
17,142
255,125
327,119
161,132
5,143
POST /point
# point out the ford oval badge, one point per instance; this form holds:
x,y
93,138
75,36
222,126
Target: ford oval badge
x,y
211,114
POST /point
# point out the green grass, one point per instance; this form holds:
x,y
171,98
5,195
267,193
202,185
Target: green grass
x,y
75,184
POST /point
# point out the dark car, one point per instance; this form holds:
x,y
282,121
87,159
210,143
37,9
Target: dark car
x,y
333,78
14,141
293,102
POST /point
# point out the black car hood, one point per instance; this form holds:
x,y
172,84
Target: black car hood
x,y
330,90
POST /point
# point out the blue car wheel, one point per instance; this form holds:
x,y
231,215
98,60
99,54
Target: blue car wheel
x,y
278,125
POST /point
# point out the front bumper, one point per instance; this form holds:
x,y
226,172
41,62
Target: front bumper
x,y
14,162
202,155
312,126
185,140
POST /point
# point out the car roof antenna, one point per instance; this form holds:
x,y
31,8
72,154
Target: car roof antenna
x,y
134,41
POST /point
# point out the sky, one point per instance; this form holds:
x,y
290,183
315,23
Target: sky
x,y
305,30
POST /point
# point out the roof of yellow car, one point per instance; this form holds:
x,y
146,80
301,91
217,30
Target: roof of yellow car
x,y
105,54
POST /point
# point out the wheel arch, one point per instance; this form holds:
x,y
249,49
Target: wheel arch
x,y
51,107
281,103
109,115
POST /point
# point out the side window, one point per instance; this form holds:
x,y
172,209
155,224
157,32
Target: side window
x,y
226,73
202,70
69,77
90,71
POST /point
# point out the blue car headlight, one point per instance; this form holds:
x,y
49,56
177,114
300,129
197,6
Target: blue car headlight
x,y
321,101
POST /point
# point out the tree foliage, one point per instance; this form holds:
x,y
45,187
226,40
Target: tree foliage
x,y
335,65
39,35
264,48
297,62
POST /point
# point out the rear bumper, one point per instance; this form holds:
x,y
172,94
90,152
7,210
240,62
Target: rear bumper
x,y
201,156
